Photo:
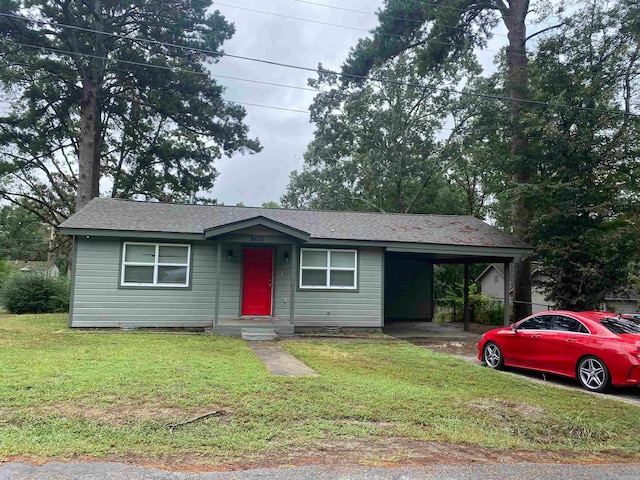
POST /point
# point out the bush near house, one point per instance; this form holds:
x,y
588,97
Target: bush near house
x,y
5,271
484,310
34,293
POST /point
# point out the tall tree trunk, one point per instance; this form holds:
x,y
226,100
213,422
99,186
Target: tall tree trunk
x,y
89,147
520,212
90,121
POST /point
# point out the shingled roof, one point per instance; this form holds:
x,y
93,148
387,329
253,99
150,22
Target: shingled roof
x,y
104,214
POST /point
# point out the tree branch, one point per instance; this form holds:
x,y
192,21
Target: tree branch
x,y
543,30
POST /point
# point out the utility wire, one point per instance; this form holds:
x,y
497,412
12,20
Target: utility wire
x,y
348,75
174,69
217,4
196,49
374,14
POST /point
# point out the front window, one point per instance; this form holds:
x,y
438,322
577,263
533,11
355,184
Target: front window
x,y
540,322
334,269
155,265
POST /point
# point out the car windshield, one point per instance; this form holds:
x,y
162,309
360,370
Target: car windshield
x,y
621,325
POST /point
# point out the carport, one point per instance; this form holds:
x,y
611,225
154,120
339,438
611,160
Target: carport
x,y
409,275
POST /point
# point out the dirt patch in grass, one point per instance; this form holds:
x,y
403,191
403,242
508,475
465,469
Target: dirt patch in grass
x,y
375,452
503,409
460,348
126,413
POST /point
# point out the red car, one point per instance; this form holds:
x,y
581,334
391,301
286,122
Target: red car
x,y
600,349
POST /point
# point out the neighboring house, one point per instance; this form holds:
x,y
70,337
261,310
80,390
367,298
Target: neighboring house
x,y
625,302
491,282
138,264
39,267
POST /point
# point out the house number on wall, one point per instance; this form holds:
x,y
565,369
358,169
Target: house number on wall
x,y
256,239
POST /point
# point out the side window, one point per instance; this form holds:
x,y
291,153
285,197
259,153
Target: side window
x,y
541,322
568,324
332,269
155,264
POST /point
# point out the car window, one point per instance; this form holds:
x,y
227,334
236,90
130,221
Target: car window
x,y
568,324
541,322
621,325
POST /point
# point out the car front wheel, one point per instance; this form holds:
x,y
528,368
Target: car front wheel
x,y
493,356
593,374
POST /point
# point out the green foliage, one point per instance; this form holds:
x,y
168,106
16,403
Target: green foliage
x,y
5,271
159,117
375,147
35,293
483,309
442,36
582,191
271,204
22,234
585,194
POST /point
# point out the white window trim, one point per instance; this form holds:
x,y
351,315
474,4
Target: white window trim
x,y
328,269
155,265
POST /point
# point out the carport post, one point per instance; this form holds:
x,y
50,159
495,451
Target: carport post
x,y
507,266
466,297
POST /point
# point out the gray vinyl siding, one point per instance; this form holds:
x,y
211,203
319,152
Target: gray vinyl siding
x,y
99,302
230,281
361,308
282,282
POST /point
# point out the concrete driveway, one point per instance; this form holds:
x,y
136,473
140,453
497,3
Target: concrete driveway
x,y
451,339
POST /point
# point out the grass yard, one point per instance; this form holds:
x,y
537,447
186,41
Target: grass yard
x,y
73,394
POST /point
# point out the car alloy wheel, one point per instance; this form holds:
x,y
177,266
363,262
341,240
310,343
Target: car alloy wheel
x,y
593,374
493,356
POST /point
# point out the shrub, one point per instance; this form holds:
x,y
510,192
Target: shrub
x,y
5,270
33,293
483,309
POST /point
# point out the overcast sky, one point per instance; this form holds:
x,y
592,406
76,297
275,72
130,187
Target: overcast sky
x,y
254,179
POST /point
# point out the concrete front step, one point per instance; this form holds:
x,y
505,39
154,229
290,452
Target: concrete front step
x,y
258,334
235,330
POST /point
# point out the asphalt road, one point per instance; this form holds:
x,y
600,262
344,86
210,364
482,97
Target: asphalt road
x,y
528,471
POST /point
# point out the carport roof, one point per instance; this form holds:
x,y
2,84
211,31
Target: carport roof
x,y
116,215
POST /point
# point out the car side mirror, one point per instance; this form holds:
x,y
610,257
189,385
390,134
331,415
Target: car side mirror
x,y
514,327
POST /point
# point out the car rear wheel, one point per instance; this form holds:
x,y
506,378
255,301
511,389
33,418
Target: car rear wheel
x,y
593,374
493,356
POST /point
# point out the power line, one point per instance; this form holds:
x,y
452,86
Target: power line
x,y
349,75
374,14
57,50
297,67
202,50
155,42
306,112
263,12
447,7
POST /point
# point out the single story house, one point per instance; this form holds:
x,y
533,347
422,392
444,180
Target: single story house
x,y
491,282
143,264
627,301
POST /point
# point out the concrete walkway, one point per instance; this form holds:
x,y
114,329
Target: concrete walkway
x,y
279,361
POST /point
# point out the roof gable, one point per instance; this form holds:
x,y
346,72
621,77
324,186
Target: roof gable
x,y
258,221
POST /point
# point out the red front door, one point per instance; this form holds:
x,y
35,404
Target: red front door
x,y
256,281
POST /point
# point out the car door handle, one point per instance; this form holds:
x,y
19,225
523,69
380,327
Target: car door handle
x,y
535,336
572,340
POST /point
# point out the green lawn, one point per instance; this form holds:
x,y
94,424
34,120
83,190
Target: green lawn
x,y
71,394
